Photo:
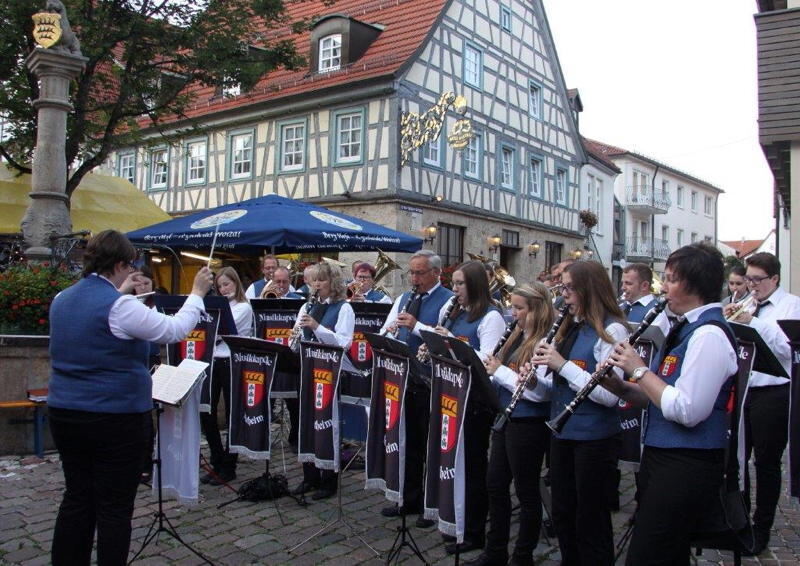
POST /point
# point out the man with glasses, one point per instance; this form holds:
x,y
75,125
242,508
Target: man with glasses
x,y
766,407
268,266
280,285
410,313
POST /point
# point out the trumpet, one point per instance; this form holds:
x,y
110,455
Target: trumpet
x,y
353,289
557,424
269,292
423,354
744,306
294,338
393,330
502,418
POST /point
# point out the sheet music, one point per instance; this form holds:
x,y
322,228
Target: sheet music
x,y
172,384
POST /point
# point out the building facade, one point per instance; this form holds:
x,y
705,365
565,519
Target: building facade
x,y
333,133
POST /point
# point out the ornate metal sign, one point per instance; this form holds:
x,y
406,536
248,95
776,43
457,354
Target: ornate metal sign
x,y
418,129
46,28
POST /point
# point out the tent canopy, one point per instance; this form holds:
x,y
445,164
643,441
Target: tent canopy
x,y
276,224
101,202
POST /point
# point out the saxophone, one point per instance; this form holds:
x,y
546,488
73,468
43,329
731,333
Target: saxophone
x,y
423,355
294,338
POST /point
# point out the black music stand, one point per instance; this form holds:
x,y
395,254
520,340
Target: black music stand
x,y
765,361
792,330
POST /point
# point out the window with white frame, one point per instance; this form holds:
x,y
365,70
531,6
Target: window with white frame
x,y
665,187
159,168
472,158
590,180
241,156
430,152
293,146
507,168
536,177
196,158
679,196
694,237
598,198
126,168
708,206
330,52
561,186
349,128
473,66
535,100
694,201
665,233
505,18
679,237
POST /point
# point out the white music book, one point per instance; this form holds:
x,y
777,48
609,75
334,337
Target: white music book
x,y
172,384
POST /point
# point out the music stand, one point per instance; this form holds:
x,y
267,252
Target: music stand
x,y
765,361
792,330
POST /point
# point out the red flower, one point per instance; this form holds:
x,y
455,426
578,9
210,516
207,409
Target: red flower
x,y
42,321
53,283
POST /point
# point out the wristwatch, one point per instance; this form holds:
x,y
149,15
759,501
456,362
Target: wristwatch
x,y
638,374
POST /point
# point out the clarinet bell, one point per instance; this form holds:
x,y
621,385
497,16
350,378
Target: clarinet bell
x,y
500,423
559,422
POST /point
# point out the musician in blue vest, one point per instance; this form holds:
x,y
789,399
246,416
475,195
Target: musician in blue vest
x,y
364,279
100,396
479,322
636,279
280,286
269,263
330,321
583,456
517,452
412,311
686,391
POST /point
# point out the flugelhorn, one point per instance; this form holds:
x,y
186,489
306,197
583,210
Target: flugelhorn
x,y
744,306
353,289
557,424
269,292
502,418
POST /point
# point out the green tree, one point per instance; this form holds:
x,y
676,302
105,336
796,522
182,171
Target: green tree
x,y
145,60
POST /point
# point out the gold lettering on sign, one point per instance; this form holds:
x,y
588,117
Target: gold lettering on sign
x,y
419,129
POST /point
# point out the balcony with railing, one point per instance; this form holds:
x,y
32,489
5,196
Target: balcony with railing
x,y
643,198
643,249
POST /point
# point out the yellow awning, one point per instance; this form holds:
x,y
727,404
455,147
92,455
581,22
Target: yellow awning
x,y
101,202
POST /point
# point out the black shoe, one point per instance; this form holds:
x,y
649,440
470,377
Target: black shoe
x,y
466,546
304,487
146,478
206,478
222,478
517,561
486,559
423,523
323,493
755,545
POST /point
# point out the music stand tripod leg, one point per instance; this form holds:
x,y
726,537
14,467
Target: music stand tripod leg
x,y
402,532
160,517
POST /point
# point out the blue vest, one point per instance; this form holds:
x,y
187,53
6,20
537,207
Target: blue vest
x,y
428,314
638,311
291,295
374,296
93,370
462,328
331,316
258,286
709,434
591,421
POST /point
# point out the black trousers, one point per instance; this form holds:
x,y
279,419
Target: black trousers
x,y
677,486
580,474
101,455
477,426
517,453
221,459
418,415
766,421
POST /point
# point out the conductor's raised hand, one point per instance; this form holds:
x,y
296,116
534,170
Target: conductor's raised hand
x,y
546,354
202,282
133,280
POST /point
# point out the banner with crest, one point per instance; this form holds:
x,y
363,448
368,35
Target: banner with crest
x,y
252,371
445,472
274,320
320,366
631,417
386,433
356,387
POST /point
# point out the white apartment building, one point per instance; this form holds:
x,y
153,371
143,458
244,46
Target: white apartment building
x,y
598,176
664,208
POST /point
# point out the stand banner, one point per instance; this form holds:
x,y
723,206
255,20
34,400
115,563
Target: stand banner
x,y
320,366
198,345
274,322
252,371
386,433
794,423
631,417
746,354
445,472
357,386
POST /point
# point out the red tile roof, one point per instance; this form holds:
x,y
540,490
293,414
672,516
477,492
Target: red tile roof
x,y
744,247
595,149
406,23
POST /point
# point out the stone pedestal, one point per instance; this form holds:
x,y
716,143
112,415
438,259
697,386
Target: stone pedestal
x,y
48,213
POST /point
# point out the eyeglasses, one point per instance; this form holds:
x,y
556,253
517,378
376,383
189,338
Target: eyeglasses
x,y
412,273
568,288
364,277
755,279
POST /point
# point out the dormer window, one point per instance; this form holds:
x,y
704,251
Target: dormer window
x,y
330,53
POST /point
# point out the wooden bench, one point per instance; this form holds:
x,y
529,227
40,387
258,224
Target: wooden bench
x,y
39,415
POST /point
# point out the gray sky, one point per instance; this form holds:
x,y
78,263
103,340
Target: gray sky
x,y
674,80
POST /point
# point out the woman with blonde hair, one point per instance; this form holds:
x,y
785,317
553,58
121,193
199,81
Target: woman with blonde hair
x,y
518,450
223,462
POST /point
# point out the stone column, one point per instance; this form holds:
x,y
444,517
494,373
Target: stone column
x,y
48,212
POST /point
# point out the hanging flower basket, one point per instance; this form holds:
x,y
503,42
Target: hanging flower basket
x,y
588,219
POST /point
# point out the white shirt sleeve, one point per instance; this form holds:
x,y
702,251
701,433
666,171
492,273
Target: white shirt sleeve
x,y
130,319
490,330
709,362
250,293
766,324
577,377
392,316
386,299
507,378
342,334
243,318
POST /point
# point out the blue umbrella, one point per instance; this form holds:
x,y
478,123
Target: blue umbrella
x,y
277,224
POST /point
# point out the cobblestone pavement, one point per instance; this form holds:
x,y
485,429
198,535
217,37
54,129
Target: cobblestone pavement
x,y
263,533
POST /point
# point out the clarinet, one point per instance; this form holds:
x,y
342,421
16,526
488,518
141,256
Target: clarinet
x,y
502,418
504,338
423,355
294,339
394,331
557,424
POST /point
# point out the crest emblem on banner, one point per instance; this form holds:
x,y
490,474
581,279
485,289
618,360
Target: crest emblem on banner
x,y
391,393
194,346
449,422
253,385
278,335
360,350
46,28
323,388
